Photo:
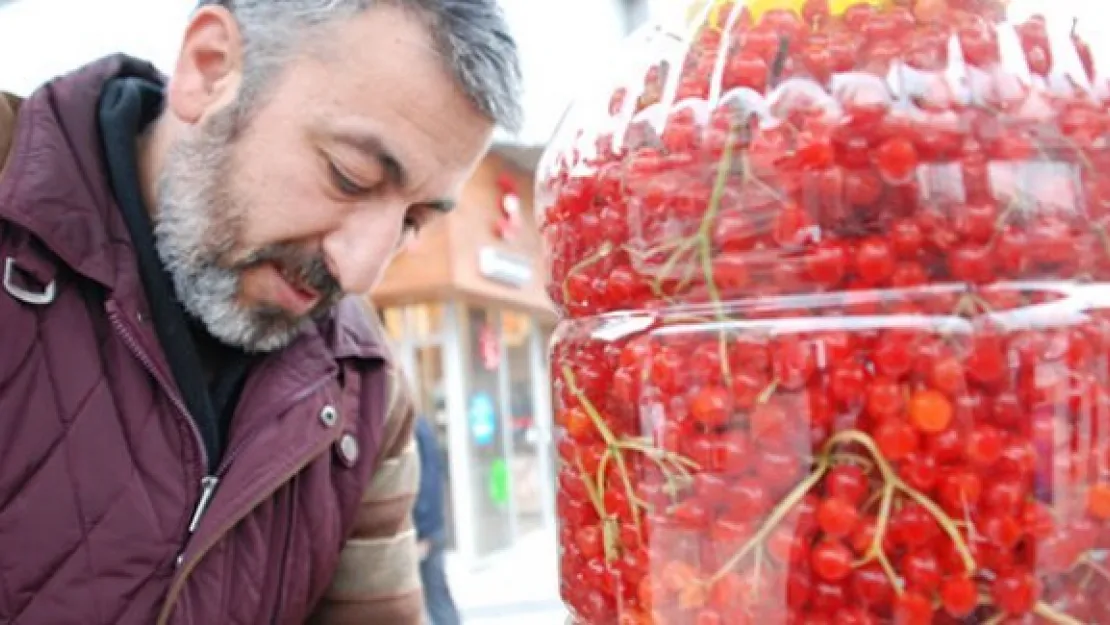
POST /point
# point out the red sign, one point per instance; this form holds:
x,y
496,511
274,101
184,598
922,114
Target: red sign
x,y
489,347
508,222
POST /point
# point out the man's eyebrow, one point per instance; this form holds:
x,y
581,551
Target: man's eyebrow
x,y
442,206
373,147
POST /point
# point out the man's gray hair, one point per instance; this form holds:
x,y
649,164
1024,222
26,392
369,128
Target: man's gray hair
x,y
472,37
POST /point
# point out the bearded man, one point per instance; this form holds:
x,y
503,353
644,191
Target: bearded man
x,y
200,424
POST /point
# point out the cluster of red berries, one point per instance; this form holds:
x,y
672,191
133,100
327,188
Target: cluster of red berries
x,y
847,468
836,348
833,183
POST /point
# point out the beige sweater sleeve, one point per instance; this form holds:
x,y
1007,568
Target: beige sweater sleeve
x,y
378,579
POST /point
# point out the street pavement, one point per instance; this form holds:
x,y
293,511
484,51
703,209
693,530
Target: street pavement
x,y
518,587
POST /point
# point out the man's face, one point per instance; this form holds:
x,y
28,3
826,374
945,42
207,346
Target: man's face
x,y
267,222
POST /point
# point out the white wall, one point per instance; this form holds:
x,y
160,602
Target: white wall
x,y
40,39
561,41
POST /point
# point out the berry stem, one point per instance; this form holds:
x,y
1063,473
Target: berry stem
x,y
604,250
757,567
1053,615
606,434
672,261
602,467
1094,567
622,466
658,455
612,449
855,459
876,552
776,517
892,481
970,305
593,491
1103,238
766,394
705,245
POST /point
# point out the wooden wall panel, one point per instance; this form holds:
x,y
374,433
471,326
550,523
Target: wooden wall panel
x,y
473,228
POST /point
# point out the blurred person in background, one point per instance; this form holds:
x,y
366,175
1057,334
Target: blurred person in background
x,y
431,528
199,422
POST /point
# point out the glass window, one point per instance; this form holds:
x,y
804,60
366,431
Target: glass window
x,y
516,328
490,474
527,475
427,321
394,320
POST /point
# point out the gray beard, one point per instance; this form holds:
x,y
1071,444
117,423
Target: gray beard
x,y
197,227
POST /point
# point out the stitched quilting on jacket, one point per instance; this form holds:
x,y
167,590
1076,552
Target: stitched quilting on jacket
x,y
101,468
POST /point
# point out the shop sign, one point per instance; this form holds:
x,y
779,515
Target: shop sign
x,y
508,222
498,485
503,267
482,418
489,347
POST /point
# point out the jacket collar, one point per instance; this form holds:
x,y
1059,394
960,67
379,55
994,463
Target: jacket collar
x,y
54,184
55,181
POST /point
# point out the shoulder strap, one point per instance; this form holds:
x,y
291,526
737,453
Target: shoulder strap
x,y
28,273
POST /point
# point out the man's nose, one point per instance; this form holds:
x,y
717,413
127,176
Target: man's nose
x,y
357,252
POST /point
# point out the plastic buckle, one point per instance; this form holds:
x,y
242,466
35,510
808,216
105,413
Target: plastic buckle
x,y
46,296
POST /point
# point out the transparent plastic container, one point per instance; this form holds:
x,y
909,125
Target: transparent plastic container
x,y
835,344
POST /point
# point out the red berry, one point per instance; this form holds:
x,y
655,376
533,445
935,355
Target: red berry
x,y
831,560
921,571
711,406
884,399
959,596
959,492
1015,592
911,608
579,425
930,411
896,159
947,376
588,539
913,526
871,586
919,470
906,238
1098,501
847,482
874,261
837,517
893,356
896,439
788,546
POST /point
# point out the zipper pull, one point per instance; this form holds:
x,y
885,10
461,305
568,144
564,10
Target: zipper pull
x,y
207,490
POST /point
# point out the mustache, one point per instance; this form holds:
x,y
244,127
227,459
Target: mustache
x,y
300,267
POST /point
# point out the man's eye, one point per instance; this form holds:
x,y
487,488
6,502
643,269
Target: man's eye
x,y
413,224
344,184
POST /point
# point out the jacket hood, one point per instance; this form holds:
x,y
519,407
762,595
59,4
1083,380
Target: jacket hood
x,y
55,182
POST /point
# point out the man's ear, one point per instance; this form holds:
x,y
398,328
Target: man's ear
x,y
209,66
